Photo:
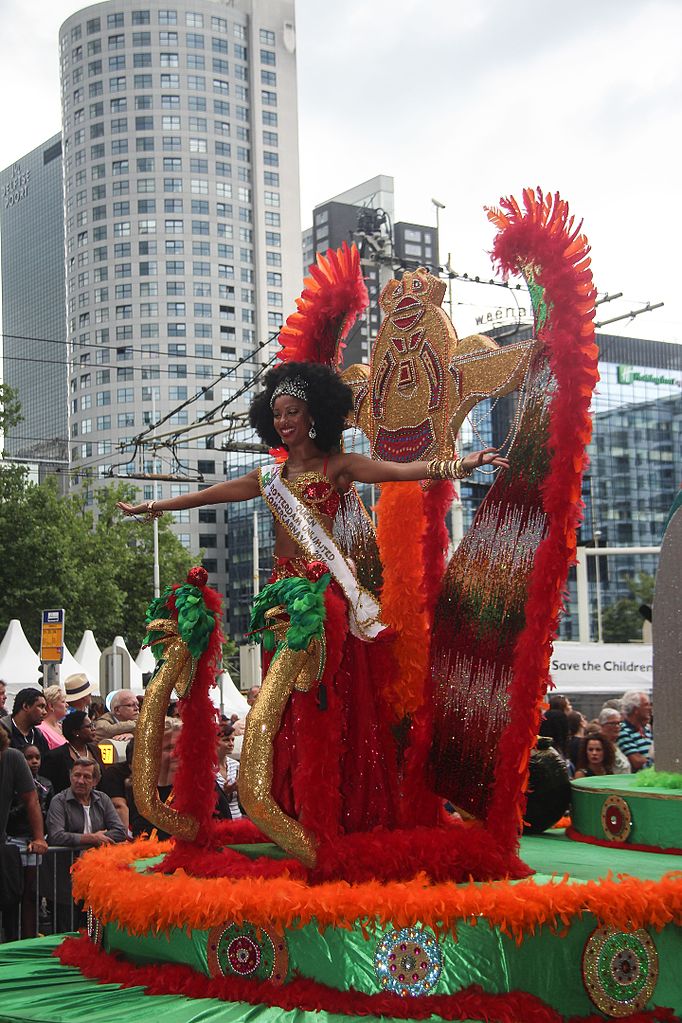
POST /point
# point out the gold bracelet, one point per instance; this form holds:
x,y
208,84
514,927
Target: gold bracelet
x,y
444,469
151,514
460,472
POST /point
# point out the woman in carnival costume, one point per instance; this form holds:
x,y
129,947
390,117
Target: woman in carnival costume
x,y
319,765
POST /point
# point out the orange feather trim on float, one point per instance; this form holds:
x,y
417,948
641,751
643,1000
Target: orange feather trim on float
x,y
105,881
400,529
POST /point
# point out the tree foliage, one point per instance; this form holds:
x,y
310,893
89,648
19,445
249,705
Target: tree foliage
x,y
95,564
622,622
10,407
58,552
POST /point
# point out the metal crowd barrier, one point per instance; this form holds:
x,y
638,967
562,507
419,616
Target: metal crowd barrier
x,y
47,906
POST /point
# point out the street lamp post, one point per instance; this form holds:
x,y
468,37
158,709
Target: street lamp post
x,y
456,517
439,206
597,579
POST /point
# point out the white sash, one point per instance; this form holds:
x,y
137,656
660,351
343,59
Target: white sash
x,y
303,527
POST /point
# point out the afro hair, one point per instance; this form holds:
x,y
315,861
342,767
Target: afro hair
x,y
329,403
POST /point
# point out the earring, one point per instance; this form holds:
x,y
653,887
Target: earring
x,y
312,432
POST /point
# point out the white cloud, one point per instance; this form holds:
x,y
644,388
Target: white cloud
x,y
463,101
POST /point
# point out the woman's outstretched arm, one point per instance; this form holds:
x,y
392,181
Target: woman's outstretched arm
x,y
360,469
242,489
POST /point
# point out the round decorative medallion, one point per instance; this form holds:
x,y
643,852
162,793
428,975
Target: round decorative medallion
x,y
620,970
244,950
94,928
408,962
616,819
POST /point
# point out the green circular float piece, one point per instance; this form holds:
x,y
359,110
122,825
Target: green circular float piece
x,y
616,819
612,808
244,950
620,970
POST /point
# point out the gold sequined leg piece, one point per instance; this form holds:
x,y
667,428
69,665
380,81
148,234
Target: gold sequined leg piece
x,y
256,766
175,670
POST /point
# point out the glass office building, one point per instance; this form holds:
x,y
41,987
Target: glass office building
x,y
635,467
34,350
635,462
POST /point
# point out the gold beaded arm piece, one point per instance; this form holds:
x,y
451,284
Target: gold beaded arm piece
x,y
447,469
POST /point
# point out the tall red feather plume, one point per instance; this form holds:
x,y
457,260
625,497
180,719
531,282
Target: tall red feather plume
x,y
543,236
333,297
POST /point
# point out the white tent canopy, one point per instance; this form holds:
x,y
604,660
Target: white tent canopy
x,y
88,655
19,663
70,666
135,672
145,660
233,701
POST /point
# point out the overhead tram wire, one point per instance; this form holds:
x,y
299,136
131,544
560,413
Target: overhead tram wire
x,y
208,387
119,343
139,440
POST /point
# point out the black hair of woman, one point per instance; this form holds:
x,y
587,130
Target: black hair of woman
x,y
329,403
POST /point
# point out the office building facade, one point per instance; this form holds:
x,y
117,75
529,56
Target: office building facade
x,y
635,464
365,214
182,233
34,349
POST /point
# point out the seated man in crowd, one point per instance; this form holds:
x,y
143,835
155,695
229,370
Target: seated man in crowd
x,y
80,815
636,738
609,721
30,707
120,721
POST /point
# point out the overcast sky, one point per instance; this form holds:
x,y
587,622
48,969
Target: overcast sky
x,y
464,102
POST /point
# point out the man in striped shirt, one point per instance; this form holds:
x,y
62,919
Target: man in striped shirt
x,y
636,739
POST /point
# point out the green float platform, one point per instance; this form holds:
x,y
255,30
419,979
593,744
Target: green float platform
x,y
613,810
552,965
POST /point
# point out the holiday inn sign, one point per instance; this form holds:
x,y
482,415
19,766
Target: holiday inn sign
x,y
630,375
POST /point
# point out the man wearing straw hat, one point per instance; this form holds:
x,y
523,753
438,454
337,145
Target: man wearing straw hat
x,y
78,691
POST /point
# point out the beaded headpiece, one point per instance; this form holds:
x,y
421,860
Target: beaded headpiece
x,y
295,387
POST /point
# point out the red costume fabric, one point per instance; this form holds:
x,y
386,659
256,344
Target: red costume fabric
x,y
335,765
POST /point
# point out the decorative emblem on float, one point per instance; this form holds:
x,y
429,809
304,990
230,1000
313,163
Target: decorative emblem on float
x,y
244,950
620,970
408,962
616,819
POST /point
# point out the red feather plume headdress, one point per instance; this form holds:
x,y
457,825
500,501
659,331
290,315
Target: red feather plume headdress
x,y
333,297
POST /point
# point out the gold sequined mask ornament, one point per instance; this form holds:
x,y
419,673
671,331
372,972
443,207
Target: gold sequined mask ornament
x,y
422,380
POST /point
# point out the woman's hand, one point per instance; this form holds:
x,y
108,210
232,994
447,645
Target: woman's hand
x,y
488,456
133,509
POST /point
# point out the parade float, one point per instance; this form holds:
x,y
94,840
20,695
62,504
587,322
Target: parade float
x,y
317,908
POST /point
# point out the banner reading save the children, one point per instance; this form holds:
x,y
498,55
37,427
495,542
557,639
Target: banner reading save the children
x,y
601,667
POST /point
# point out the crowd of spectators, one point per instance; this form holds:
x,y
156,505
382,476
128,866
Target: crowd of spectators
x,y
55,788
622,729
56,791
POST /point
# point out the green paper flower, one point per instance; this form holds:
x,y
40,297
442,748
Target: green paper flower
x,y
304,603
195,621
